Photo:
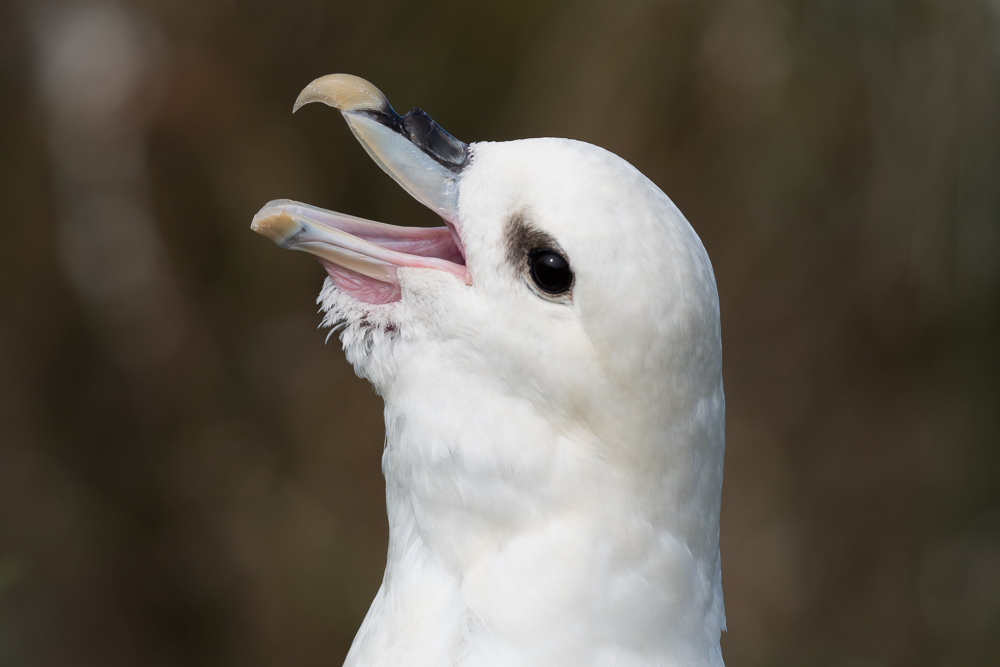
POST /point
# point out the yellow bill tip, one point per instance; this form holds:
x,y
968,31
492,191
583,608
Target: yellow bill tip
x,y
345,92
275,224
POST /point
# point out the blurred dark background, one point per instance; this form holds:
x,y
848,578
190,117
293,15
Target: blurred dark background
x,y
188,476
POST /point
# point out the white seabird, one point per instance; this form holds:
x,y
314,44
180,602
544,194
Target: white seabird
x,y
551,366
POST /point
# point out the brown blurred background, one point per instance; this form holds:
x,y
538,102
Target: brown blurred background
x,y
188,476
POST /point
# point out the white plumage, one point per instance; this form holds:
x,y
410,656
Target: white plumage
x,y
553,463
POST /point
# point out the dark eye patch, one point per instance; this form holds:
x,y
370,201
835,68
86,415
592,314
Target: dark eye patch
x,y
537,256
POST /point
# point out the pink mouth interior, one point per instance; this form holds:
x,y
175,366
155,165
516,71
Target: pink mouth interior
x,y
439,242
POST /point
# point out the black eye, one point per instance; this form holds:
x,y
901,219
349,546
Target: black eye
x,y
550,271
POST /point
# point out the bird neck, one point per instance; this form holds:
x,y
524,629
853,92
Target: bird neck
x,y
514,536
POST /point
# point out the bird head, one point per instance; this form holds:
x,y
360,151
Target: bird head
x,y
559,266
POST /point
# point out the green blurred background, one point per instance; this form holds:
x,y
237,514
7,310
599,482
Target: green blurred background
x,y
188,476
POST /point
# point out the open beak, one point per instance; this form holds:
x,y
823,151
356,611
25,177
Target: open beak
x,y
360,255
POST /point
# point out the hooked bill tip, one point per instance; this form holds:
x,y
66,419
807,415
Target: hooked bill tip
x,y
276,224
345,92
